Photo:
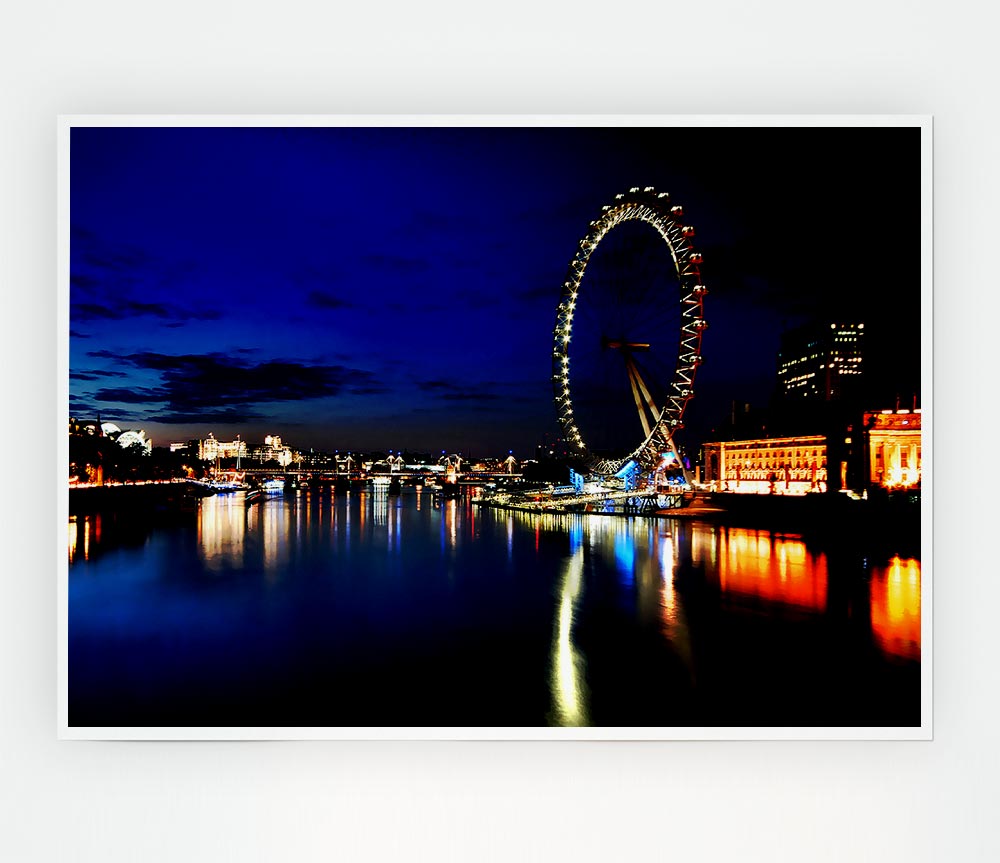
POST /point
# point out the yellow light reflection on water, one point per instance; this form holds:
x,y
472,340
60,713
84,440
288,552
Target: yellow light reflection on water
x,y
451,526
569,688
221,531
73,535
668,595
277,535
895,607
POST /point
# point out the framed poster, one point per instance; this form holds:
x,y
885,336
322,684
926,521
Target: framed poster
x,y
495,427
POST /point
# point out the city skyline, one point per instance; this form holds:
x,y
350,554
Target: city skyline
x,y
395,288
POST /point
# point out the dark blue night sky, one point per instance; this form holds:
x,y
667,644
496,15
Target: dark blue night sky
x,y
396,288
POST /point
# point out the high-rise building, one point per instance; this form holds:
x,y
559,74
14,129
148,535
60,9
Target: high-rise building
x,y
821,362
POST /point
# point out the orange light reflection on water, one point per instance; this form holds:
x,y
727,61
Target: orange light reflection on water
x,y
84,535
895,607
776,569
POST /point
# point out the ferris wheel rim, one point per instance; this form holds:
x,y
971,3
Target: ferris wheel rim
x,y
653,208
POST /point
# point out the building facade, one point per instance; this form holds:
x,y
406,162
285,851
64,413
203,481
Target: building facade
x,y
210,449
790,465
273,450
895,456
821,363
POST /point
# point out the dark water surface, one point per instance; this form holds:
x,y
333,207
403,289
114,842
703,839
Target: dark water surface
x,y
372,610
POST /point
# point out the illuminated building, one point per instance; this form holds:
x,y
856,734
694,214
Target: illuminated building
x,y
894,452
789,465
127,439
210,449
124,439
820,363
273,450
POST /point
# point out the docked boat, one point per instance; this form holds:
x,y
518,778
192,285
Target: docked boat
x,y
222,486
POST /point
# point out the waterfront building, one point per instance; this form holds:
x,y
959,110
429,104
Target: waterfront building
x,y
124,438
788,465
799,465
894,448
821,362
130,438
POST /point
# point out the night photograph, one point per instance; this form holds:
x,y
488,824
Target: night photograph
x,y
494,426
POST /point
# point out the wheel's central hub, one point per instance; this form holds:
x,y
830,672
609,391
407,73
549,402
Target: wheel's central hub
x,y
622,345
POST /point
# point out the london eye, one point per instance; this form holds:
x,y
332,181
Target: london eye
x,y
627,338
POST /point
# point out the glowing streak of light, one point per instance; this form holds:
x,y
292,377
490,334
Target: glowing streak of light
x,y
569,689
895,608
72,538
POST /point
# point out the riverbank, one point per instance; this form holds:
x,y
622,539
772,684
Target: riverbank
x,y
137,498
891,524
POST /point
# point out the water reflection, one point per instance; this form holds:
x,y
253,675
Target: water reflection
x,y
449,524
895,607
84,536
74,537
568,685
673,620
581,616
222,522
273,521
757,564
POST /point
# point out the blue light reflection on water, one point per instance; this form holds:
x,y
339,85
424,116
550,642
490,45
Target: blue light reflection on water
x,y
377,609
625,556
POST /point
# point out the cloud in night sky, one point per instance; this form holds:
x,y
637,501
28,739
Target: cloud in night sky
x,y
113,283
201,387
123,309
229,415
94,375
327,300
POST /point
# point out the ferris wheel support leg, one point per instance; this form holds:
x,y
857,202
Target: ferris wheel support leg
x,y
673,449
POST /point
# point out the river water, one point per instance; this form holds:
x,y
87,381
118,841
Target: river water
x,y
366,609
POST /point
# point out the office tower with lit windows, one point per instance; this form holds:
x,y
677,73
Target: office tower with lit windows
x,y
821,363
